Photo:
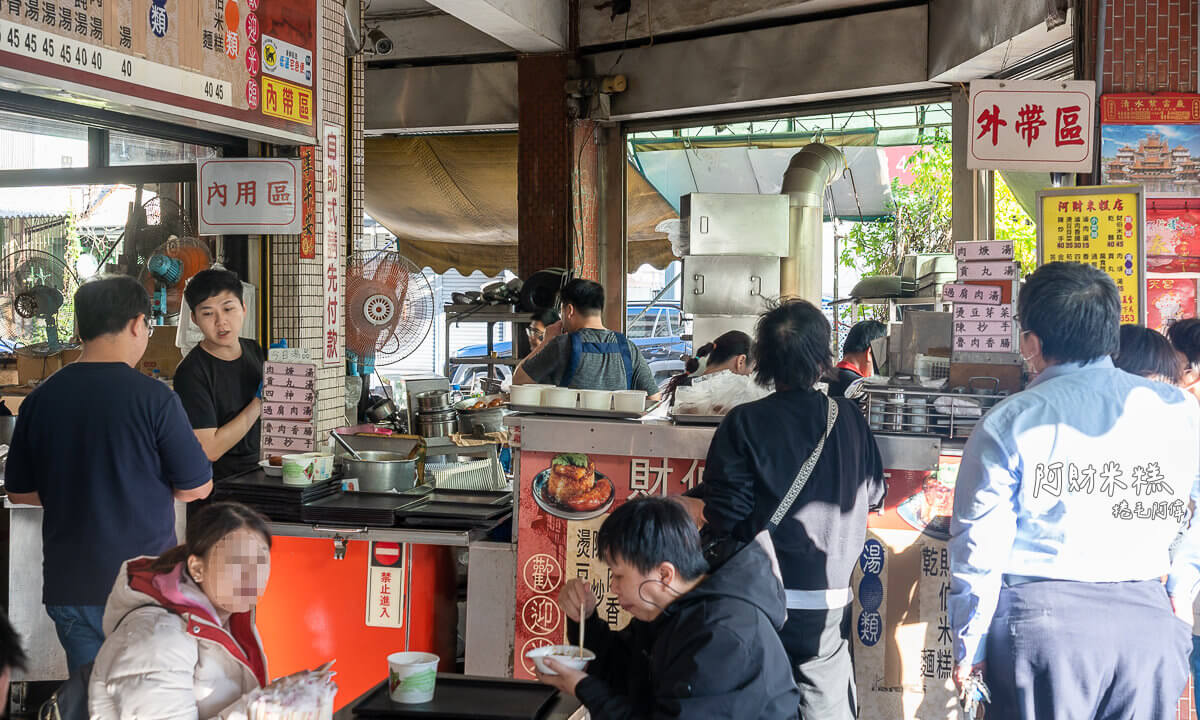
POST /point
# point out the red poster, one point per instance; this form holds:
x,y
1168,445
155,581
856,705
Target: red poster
x,y
1169,301
1172,235
308,195
564,498
919,500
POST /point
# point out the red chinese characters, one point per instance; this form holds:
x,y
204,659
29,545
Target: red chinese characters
x,y
1067,130
279,193
1030,123
990,122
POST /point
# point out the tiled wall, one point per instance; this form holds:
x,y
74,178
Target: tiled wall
x,y
1151,46
297,286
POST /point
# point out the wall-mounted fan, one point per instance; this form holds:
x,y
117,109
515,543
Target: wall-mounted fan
x,y
37,309
389,309
167,270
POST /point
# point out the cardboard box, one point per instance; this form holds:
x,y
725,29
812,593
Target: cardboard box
x,y
161,353
40,367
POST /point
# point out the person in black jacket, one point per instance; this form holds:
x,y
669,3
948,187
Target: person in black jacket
x,y
857,357
699,646
753,460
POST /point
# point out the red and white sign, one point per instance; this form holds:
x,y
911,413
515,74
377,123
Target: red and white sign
x,y
385,585
1032,125
972,294
334,149
987,271
245,196
972,251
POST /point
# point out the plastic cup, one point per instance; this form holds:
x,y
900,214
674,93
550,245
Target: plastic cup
x,y
630,400
412,677
299,469
596,399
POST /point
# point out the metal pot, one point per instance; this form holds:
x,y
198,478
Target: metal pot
x,y
7,423
478,422
382,411
433,401
438,424
381,471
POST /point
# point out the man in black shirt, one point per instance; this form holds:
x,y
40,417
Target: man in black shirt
x,y
857,360
220,380
105,451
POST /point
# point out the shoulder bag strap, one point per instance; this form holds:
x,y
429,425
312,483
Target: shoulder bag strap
x,y
805,472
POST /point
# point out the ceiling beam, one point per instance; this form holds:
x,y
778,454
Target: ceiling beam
x,y
532,26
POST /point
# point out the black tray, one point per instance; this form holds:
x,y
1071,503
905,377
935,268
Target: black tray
x,y
369,508
464,696
453,511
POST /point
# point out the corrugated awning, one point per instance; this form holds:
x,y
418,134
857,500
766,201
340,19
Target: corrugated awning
x,y
451,201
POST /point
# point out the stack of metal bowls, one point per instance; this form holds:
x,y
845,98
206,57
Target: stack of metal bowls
x,y
436,416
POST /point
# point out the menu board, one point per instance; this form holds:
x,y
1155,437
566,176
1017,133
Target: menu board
x,y
241,66
289,396
1101,226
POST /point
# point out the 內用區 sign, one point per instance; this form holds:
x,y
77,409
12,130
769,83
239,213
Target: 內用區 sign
x,y
1031,125
1101,226
249,196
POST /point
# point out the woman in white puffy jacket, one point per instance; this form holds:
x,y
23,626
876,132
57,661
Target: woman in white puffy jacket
x,y
180,637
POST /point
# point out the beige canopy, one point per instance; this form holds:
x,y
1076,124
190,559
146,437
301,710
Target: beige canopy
x,y
451,200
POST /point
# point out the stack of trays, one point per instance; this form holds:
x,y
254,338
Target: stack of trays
x,y
456,509
271,497
357,509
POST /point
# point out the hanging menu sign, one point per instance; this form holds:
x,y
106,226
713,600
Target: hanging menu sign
x,y
1101,226
334,149
194,61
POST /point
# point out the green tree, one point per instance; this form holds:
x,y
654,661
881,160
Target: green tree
x,y
920,222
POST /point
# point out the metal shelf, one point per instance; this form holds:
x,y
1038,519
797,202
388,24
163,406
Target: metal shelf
x,y
489,314
416,536
480,360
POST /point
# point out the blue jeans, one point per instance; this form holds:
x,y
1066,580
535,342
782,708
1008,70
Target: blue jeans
x,y
1196,669
80,630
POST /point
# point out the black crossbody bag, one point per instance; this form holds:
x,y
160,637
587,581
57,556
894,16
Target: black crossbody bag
x,y
719,548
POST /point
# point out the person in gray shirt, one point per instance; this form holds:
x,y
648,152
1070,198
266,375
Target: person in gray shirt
x,y
579,352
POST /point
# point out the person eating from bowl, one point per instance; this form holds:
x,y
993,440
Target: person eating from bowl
x,y
220,380
699,646
579,352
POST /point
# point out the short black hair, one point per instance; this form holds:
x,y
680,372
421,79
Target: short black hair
x,y
105,304
1074,309
646,532
791,347
546,317
585,296
210,283
861,335
11,654
1147,353
1185,336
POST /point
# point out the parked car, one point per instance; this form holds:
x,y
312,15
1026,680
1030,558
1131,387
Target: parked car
x,y
656,333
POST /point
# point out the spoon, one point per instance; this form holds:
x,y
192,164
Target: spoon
x,y
345,445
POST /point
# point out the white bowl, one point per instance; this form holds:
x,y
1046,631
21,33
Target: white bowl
x,y
412,676
596,399
560,397
269,469
526,394
629,400
566,654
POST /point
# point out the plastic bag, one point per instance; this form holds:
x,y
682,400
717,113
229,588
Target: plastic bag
x,y
718,393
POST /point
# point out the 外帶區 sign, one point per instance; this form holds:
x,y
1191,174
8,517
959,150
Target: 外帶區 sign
x,y
1031,125
1102,226
237,196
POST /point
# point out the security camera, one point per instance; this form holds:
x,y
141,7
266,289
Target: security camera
x,y
379,43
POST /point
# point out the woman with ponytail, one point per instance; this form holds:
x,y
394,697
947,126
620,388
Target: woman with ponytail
x,y
180,636
730,351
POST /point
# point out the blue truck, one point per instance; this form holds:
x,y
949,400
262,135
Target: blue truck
x,y
656,333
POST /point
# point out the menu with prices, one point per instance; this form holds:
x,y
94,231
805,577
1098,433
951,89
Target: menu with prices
x,y
1100,226
983,316
289,396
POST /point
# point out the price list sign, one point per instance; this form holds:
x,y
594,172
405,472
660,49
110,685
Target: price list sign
x,y
1100,226
233,65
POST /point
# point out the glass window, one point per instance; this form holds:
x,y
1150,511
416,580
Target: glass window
x,y
644,327
125,149
33,143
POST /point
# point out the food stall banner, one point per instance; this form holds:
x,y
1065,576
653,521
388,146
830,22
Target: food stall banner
x,y
212,63
1172,235
1146,109
1169,300
563,500
1031,125
246,196
308,203
334,149
1098,225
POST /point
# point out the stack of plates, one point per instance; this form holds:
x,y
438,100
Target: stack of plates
x,y
271,497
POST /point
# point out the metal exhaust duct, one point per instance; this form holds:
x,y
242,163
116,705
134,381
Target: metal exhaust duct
x,y
810,171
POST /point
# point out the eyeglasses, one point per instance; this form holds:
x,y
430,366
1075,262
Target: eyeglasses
x,y
536,334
